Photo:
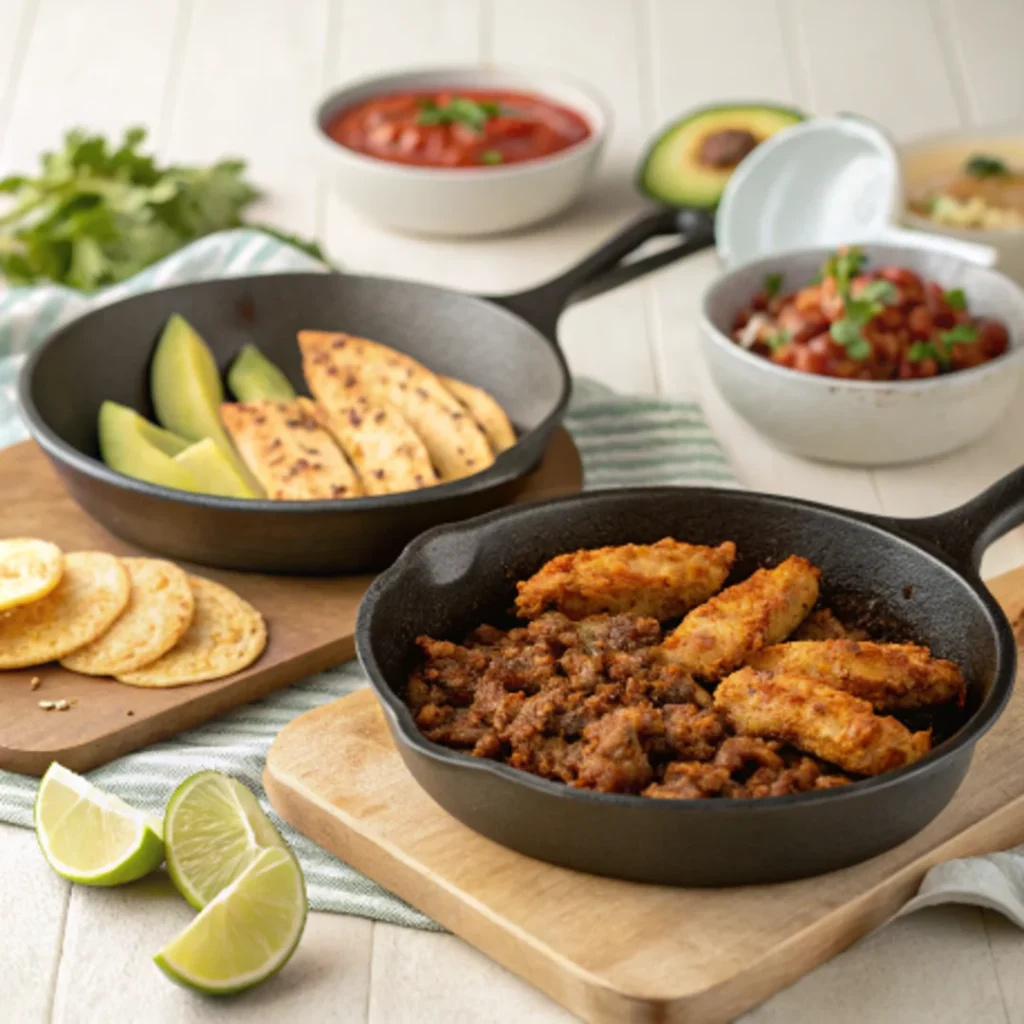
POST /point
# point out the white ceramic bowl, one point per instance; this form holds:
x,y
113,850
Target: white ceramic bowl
x,y
929,159
460,202
865,423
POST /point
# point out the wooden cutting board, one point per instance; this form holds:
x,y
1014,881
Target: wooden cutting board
x,y
310,622
605,949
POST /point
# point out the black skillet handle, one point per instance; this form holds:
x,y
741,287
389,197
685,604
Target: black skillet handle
x,y
543,304
964,533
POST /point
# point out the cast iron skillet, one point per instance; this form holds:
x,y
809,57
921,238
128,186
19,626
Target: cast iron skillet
x,y
922,573
505,344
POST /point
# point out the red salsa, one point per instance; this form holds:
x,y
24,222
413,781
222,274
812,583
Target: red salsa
x,y
887,323
458,128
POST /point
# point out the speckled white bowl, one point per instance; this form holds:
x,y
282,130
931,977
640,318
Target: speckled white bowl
x,y
925,160
464,201
864,423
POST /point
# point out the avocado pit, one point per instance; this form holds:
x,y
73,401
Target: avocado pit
x,y
726,148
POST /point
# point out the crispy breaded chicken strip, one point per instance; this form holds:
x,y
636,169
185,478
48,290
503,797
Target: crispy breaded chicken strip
x,y
814,717
387,453
823,625
892,677
764,609
288,451
660,580
338,366
486,411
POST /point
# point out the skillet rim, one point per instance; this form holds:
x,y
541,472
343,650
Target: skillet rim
x,y
501,472
968,735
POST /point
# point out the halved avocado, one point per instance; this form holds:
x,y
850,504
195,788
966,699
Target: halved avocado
x,y
691,161
126,445
253,376
213,470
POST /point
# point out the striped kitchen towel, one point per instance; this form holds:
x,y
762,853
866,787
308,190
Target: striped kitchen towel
x,y
623,441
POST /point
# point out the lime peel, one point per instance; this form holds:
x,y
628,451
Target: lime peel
x,y
246,933
91,837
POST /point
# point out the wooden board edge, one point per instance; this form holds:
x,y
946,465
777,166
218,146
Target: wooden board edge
x,y
580,991
178,718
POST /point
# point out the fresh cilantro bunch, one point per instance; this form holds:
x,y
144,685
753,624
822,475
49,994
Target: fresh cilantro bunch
x,y
98,213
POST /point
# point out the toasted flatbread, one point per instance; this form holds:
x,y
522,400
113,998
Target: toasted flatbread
x,y
159,612
337,366
92,593
388,454
485,409
289,452
29,570
226,635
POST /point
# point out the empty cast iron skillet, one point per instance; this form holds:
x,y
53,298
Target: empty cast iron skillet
x,y
504,344
922,573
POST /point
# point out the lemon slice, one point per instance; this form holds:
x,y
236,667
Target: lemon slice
x,y
92,837
246,933
214,829
29,570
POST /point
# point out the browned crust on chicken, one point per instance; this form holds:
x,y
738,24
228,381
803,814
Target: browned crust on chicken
x,y
339,366
287,450
818,719
662,580
764,609
892,677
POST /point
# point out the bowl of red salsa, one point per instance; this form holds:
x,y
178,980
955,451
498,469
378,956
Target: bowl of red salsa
x,y
462,151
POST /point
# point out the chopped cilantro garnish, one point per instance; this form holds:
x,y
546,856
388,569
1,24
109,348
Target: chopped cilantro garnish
x,y
491,156
474,115
982,166
955,299
777,341
773,285
962,334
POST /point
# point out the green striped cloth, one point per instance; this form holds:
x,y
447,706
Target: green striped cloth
x,y
623,441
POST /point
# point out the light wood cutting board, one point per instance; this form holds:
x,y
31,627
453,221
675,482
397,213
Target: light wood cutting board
x,y
310,621
605,949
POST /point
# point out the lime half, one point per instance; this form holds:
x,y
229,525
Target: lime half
x,y
246,933
214,829
92,837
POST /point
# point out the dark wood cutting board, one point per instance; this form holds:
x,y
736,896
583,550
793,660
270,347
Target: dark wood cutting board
x,y
616,951
310,622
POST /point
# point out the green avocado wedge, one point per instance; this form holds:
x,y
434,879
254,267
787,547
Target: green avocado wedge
x,y
691,161
187,393
127,445
252,376
214,472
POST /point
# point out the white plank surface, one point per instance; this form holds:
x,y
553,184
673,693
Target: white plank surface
x,y
215,77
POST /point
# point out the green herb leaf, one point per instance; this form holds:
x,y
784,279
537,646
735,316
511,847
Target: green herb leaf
x,y
955,299
959,335
458,110
981,166
779,340
879,291
846,332
859,350
844,267
98,213
773,285
491,156
921,350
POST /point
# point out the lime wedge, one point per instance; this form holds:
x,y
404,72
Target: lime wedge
x,y
246,933
214,829
92,837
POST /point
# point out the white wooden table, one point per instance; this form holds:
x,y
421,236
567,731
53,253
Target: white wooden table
x,y
216,77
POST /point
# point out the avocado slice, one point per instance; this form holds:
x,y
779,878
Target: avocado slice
x,y
690,162
213,470
186,390
253,376
127,446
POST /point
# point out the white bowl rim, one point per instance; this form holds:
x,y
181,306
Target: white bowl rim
x,y
949,381
1007,131
600,127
